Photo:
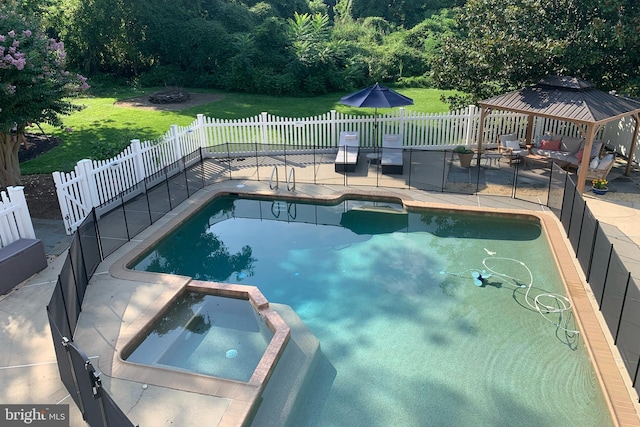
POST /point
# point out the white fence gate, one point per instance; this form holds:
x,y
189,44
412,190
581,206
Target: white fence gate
x,y
15,221
94,183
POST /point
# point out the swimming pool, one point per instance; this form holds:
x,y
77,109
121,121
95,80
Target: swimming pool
x,y
411,337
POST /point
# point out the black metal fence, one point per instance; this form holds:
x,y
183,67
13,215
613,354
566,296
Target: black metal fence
x,y
110,226
96,238
615,290
420,168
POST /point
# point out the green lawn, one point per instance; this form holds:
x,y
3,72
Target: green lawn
x,y
102,129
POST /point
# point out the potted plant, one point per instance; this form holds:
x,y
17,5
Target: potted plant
x,y
465,155
599,186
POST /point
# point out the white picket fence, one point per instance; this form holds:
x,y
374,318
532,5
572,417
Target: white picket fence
x,y
15,221
94,183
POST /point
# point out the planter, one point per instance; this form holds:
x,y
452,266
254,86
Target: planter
x,y
465,159
600,190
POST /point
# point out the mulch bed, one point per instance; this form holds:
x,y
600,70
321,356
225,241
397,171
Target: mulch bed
x,y
39,190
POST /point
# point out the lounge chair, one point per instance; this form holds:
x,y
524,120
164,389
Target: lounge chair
x,y
391,160
348,147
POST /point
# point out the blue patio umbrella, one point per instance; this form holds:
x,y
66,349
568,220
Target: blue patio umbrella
x,y
376,96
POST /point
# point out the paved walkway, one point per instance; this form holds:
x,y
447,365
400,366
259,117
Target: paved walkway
x,y
28,371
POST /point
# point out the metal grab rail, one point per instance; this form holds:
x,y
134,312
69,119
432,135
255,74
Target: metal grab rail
x,y
271,184
291,180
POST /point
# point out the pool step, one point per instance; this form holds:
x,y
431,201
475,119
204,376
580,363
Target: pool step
x,y
294,372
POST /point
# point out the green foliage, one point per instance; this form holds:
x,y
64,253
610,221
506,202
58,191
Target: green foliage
x,y
404,13
461,149
103,150
505,44
33,80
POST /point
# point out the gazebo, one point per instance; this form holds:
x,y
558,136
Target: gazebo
x,y
567,99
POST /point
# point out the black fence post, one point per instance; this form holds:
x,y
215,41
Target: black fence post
x,y
593,248
315,166
606,274
229,159
444,171
584,210
515,180
553,166
635,377
96,227
124,215
410,166
204,182
624,298
573,201
255,150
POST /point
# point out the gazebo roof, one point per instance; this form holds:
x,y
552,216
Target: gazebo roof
x,y
565,98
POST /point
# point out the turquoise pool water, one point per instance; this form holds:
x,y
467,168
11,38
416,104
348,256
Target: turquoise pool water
x,y
392,297
207,334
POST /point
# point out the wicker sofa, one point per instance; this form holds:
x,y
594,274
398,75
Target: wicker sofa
x,y
564,150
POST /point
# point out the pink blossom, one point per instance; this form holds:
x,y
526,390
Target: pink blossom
x,y
11,34
2,37
27,33
15,43
20,63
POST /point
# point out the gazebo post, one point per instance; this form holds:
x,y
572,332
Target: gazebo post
x,y
632,146
529,135
586,158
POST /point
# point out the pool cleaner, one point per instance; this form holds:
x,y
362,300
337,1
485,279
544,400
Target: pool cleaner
x,y
547,304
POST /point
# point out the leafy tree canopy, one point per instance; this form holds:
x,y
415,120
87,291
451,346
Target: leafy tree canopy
x,y
502,45
34,84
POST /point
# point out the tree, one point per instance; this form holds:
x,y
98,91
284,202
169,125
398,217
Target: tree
x,y
503,45
34,84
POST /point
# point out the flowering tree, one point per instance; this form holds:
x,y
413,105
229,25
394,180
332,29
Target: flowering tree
x,y
34,85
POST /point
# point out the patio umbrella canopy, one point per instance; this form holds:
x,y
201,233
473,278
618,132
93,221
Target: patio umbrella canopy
x,y
376,96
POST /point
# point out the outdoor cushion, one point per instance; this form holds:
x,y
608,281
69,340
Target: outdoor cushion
x,y
579,155
571,144
547,136
594,163
392,161
547,144
605,162
347,156
595,148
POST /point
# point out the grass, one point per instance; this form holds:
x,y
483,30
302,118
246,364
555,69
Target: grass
x,y
102,129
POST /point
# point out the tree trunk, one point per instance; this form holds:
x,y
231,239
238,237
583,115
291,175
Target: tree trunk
x,y
9,164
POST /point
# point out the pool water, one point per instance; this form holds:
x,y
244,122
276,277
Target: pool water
x,y
393,298
206,334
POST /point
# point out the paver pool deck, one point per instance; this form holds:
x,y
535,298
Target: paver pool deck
x,y
28,370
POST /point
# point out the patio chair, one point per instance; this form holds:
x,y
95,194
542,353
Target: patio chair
x,y
348,147
391,160
509,146
600,168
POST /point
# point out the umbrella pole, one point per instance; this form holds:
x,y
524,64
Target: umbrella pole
x,y
375,142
